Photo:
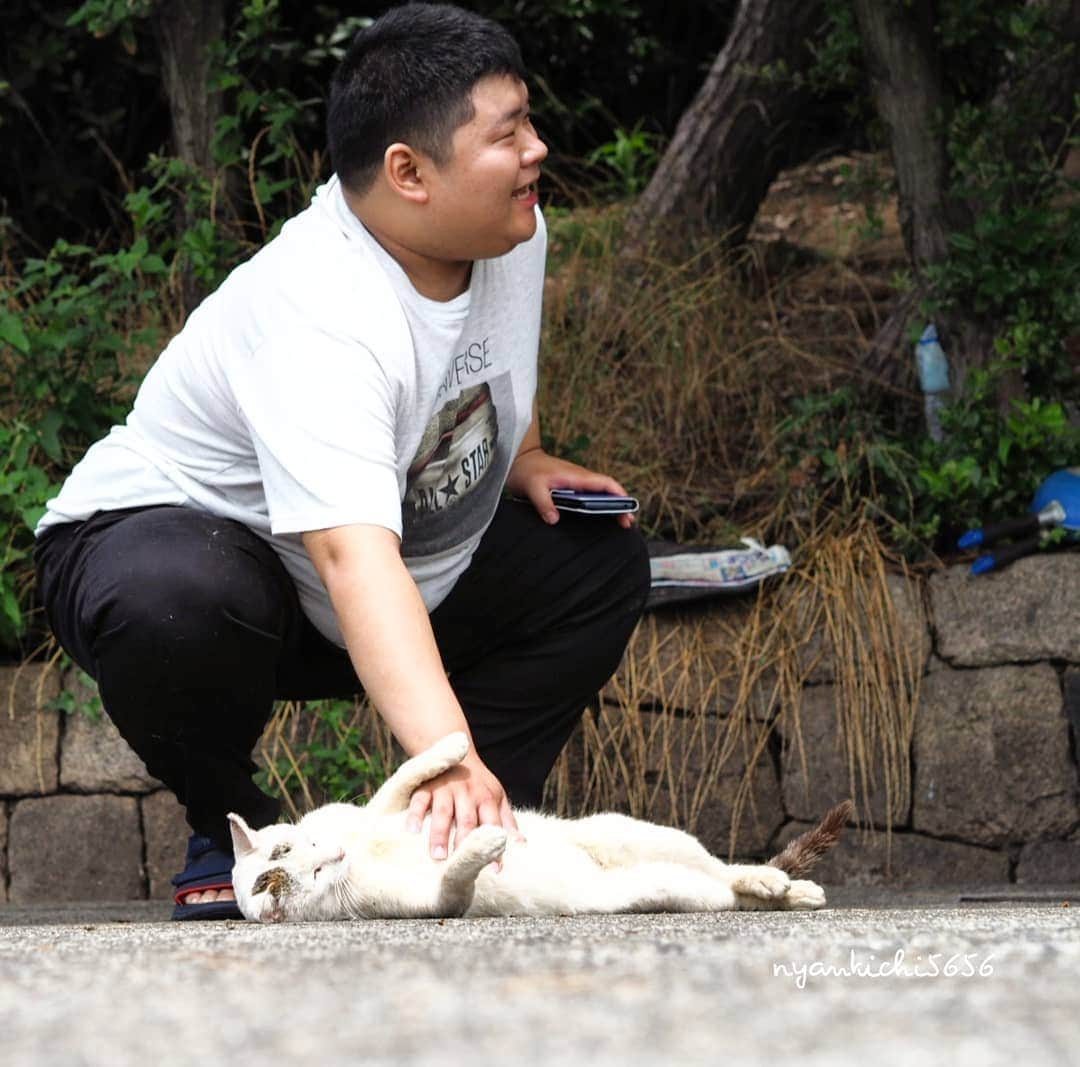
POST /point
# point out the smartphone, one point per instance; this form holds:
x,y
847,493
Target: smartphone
x,y
591,503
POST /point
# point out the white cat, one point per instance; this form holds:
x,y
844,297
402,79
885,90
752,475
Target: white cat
x,y
347,862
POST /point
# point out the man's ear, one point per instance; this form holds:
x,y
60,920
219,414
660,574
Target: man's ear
x,y
243,837
403,169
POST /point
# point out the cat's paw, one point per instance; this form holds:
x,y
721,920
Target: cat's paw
x,y
486,843
804,896
766,883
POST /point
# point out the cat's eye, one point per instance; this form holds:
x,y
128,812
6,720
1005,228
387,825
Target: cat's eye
x,y
280,851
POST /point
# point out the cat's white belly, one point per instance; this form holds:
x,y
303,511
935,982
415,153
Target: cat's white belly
x,y
544,875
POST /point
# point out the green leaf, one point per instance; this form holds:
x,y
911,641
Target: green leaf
x,y
48,433
12,332
9,606
32,516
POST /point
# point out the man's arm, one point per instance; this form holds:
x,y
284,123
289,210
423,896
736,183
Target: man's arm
x,y
390,641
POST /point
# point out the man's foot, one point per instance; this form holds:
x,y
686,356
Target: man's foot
x,y
208,896
204,887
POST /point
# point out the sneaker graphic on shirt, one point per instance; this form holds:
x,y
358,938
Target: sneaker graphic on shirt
x,y
456,452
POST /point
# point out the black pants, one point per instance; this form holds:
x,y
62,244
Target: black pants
x,y
192,628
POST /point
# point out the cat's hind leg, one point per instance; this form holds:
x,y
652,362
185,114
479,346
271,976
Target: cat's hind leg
x,y
801,895
614,841
756,880
649,887
394,794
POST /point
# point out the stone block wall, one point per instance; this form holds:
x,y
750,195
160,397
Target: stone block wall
x,y
80,818
994,756
994,787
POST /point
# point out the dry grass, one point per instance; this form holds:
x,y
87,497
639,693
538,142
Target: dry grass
x,y
702,700
677,371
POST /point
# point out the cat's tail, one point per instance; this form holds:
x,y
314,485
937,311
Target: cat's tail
x,y
803,852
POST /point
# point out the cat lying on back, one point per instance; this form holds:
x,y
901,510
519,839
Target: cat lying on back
x,y
342,861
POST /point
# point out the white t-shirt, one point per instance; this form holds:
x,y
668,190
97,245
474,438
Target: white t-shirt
x,y
316,388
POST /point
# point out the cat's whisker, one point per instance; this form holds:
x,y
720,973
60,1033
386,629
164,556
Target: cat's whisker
x,y
346,898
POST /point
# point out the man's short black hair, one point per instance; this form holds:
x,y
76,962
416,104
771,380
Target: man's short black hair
x,y
409,77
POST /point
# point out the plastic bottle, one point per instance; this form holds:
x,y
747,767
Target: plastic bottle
x,y
933,378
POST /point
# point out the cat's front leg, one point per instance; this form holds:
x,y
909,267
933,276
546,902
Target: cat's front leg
x,y
396,792
483,845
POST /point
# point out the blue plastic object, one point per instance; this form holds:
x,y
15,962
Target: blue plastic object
x,y
972,539
1056,503
1064,487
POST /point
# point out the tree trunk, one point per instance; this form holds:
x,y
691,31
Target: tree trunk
x,y
905,80
186,34
903,63
730,144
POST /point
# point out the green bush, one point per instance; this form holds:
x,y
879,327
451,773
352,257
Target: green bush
x,y
1011,278
846,455
73,326
79,326
329,762
991,462
24,487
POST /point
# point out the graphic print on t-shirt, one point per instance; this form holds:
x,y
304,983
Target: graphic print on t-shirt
x,y
454,481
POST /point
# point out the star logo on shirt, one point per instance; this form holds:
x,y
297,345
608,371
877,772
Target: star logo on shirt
x,y
449,488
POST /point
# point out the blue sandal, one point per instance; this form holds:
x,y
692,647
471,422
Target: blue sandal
x,y
205,867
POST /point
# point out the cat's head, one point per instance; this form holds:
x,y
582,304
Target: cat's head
x,y
283,875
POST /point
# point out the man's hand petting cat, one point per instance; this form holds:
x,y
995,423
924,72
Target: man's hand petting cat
x,y
465,796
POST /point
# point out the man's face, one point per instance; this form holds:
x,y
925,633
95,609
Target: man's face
x,y
482,200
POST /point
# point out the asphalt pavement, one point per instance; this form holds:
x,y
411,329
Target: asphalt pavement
x,y
872,980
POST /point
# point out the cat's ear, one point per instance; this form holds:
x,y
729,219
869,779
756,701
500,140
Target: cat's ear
x,y
243,837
